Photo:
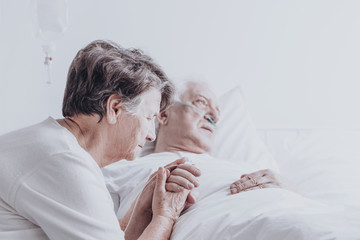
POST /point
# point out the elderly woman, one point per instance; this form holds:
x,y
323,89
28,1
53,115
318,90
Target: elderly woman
x,y
51,185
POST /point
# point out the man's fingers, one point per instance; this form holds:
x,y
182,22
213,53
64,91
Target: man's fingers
x,y
186,175
181,181
248,182
191,169
260,173
171,166
236,189
173,187
260,186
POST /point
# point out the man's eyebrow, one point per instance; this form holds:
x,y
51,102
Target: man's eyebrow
x,y
203,96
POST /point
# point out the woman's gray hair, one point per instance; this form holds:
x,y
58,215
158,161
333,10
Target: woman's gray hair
x,y
104,68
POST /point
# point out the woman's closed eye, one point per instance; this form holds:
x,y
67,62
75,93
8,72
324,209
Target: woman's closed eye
x,y
150,118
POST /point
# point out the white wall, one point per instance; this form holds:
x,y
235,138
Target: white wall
x,y
297,61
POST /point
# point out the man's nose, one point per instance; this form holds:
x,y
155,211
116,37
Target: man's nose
x,y
213,114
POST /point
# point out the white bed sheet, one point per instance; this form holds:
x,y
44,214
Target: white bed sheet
x,y
259,214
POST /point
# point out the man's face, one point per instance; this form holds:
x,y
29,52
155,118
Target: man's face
x,y
189,128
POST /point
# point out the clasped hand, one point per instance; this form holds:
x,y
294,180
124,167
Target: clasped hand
x,y
167,193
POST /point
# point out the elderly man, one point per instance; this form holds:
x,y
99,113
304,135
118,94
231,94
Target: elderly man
x,y
259,205
187,129
189,125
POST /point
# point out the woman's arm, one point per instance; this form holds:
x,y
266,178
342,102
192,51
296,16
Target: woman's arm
x,y
160,228
166,208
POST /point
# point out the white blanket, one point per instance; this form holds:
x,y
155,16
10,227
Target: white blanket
x,y
271,213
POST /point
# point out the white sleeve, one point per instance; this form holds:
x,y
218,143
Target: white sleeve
x,y
67,197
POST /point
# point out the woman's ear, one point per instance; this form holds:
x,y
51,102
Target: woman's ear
x,y
163,117
113,108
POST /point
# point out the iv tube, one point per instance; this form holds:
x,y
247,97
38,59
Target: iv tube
x,y
48,62
50,21
207,117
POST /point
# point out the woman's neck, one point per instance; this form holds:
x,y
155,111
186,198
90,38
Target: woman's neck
x,y
86,130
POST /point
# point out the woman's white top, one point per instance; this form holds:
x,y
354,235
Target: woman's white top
x,y
51,188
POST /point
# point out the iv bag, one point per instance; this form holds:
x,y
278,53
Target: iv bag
x,y
51,20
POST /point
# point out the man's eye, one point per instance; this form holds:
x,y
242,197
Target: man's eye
x,y
201,101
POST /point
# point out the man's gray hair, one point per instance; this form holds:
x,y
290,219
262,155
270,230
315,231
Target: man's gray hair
x,y
182,86
104,68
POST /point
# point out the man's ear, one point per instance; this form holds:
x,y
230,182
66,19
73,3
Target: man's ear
x,y
163,117
113,108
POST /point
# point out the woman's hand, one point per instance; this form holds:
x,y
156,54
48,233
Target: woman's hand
x,y
261,179
165,203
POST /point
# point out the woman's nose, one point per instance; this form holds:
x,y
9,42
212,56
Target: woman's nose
x,y
151,136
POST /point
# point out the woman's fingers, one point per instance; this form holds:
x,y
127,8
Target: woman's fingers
x,y
160,181
193,196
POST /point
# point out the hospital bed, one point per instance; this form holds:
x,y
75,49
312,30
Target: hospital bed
x,y
324,163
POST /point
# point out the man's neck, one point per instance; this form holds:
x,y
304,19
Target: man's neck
x,y
159,147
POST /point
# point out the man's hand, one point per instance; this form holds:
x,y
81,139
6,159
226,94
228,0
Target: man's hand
x,y
183,176
261,179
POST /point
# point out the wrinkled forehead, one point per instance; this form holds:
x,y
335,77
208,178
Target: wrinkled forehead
x,y
194,90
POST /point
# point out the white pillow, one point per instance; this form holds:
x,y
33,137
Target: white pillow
x,y
236,137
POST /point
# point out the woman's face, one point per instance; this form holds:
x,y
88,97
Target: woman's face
x,y
133,130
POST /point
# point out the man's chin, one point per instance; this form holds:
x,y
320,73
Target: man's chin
x,y
209,147
204,148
